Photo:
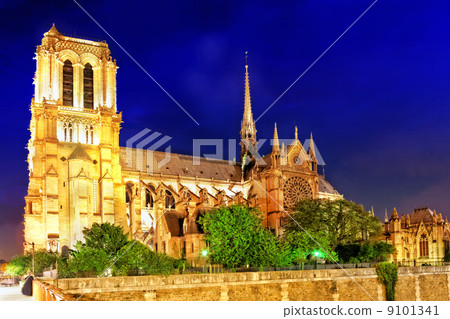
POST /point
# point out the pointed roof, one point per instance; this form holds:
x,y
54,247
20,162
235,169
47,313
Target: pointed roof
x,y
80,153
53,31
312,149
385,216
248,115
394,214
275,141
248,124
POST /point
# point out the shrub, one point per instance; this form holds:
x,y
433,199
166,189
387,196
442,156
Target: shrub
x,y
387,274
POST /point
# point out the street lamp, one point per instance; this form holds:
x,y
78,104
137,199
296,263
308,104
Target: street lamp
x,y
32,260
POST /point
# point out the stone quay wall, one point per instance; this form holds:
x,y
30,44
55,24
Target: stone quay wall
x,y
414,283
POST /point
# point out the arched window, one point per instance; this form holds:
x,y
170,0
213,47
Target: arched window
x,y
70,132
170,200
67,83
87,134
92,134
423,245
148,199
65,132
88,81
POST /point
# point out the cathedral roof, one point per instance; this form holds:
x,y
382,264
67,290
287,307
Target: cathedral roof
x,y
174,222
179,164
80,153
420,214
326,187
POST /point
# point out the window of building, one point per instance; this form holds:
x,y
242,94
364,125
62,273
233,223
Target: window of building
x,y
68,83
88,82
65,132
92,134
87,134
170,200
70,132
148,199
423,245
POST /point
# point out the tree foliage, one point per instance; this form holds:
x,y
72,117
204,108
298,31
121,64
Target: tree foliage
x,y
138,259
330,223
367,252
108,251
18,266
105,237
236,237
21,265
447,256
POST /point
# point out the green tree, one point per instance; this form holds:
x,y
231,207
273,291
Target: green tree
x,y
138,259
236,237
447,256
87,261
330,223
347,252
18,266
382,250
304,246
43,259
106,237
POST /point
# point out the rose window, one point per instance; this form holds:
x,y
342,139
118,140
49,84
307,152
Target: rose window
x,y
294,190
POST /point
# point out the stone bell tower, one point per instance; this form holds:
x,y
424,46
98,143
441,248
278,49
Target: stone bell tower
x,y
73,151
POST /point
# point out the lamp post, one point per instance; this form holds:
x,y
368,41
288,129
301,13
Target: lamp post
x,y
32,259
316,256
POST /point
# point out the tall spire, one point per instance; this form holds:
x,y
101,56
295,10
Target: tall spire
x,y
248,128
275,141
248,115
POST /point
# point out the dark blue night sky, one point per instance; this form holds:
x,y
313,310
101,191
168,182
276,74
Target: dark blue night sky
x,y
377,102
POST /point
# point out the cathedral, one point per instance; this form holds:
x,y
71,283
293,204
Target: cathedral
x,y
80,175
421,237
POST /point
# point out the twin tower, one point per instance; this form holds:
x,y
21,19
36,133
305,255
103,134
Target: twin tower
x,y
74,170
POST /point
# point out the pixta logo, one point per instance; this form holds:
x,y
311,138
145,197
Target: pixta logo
x,y
141,149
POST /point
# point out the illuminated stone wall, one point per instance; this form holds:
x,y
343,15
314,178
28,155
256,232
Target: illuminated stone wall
x,y
414,283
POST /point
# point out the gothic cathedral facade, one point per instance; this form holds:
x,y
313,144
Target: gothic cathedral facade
x,y
80,175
